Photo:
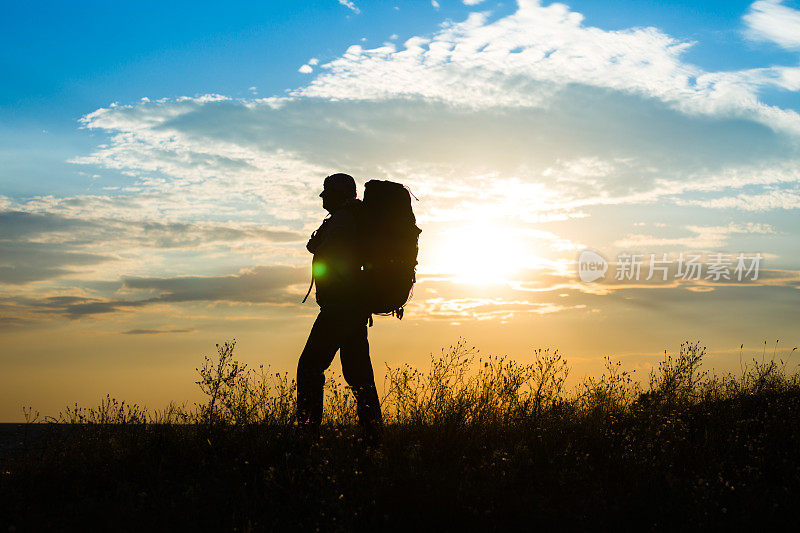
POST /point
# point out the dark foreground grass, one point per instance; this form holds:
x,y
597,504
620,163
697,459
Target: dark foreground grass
x,y
473,443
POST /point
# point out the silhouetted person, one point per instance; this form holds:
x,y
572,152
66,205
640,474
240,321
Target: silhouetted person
x,y
342,321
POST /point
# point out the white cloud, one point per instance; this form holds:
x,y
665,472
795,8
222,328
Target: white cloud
x,y
458,309
186,171
313,61
523,59
703,238
350,5
770,20
305,69
472,2
212,156
435,4
764,201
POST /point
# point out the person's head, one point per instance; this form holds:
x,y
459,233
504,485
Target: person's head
x,y
337,189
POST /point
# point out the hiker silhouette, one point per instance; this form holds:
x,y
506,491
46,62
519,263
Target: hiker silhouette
x,y
343,316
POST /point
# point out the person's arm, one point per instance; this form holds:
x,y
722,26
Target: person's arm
x,y
338,242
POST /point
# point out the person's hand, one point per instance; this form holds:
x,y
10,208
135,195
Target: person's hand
x,y
316,237
311,245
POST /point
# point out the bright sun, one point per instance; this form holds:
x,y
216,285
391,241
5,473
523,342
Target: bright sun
x,y
479,254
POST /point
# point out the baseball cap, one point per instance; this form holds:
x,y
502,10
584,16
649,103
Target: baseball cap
x,y
342,183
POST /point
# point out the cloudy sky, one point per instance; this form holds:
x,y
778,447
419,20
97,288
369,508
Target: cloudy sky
x,y
160,165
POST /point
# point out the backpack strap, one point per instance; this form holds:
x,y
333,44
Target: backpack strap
x,y
309,288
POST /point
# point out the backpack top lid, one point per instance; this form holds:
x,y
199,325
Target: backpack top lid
x,y
390,200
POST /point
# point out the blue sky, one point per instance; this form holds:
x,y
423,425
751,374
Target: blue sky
x,y
160,164
62,60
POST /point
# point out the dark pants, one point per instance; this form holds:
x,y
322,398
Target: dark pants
x,y
345,331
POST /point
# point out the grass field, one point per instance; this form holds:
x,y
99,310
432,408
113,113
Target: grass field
x,y
473,442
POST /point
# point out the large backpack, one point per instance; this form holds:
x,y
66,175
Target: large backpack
x,y
390,239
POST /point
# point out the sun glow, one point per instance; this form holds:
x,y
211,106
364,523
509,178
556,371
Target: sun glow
x,y
480,255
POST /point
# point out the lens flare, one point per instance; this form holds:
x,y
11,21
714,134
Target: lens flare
x,y
319,269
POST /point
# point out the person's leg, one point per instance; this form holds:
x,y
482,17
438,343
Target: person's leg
x,y
319,351
357,371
